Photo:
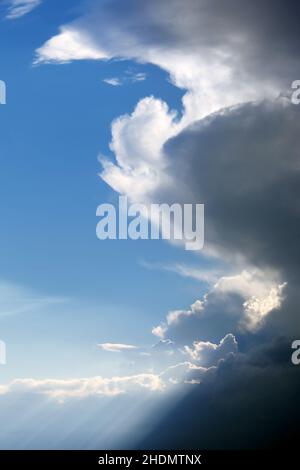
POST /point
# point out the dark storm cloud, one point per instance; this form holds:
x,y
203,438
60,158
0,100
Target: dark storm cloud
x,y
250,401
243,164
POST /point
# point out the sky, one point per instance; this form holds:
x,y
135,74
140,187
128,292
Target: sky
x,y
140,343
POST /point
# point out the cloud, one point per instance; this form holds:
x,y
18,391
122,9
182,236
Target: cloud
x,y
243,165
234,162
186,373
137,77
207,275
158,331
218,70
234,304
70,44
180,39
116,347
237,401
19,8
90,413
156,381
257,308
164,356
83,387
137,141
208,353
16,299
112,81
247,402
128,78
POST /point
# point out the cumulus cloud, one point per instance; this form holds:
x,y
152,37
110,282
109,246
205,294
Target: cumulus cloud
x,y
137,142
208,353
233,304
19,8
186,373
257,308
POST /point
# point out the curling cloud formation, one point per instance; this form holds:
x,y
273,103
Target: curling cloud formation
x,y
220,52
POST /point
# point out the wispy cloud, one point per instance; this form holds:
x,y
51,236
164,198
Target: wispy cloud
x,y
19,8
15,299
209,276
112,81
116,347
129,77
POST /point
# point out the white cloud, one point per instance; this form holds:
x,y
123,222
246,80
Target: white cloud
x,y
84,387
177,372
158,331
213,77
185,372
137,77
262,292
114,81
247,283
19,8
136,138
175,317
70,44
257,308
205,351
137,141
128,78
116,347
248,297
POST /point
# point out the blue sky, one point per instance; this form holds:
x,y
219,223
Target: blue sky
x,y
166,102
